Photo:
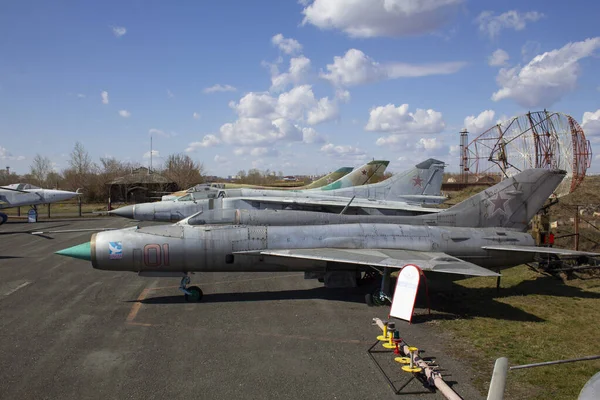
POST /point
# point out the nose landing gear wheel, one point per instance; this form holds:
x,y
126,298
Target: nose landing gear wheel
x,y
195,294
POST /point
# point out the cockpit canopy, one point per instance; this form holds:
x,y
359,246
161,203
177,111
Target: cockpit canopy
x,y
209,193
22,186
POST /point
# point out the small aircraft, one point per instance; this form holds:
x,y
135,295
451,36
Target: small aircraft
x,y
343,177
482,232
402,193
25,194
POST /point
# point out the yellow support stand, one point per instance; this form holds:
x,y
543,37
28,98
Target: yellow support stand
x,y
402,360
384,337
412,367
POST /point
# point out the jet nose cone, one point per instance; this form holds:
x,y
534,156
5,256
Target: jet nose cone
x,y
125,212
81,251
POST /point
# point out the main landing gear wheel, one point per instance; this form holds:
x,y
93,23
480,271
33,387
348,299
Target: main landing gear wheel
x,y
195,294
3,218
376,299
192,293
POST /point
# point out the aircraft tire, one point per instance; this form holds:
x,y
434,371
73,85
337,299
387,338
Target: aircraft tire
x,y
369,300
3,218
195,296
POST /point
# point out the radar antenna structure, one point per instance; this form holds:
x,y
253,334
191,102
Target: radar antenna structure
x,y
540,139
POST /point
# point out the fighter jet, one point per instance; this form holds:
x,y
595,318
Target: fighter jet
x,y
24,194
343,177
403,194
482,232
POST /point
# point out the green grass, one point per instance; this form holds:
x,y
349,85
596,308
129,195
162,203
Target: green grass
x,y
534,318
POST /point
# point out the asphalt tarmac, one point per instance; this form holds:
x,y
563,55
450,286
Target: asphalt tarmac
x,y
68,331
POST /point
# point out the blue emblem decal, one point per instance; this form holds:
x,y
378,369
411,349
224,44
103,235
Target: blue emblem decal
x,y
115,250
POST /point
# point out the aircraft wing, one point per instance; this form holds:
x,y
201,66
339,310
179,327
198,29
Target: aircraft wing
x,y
427,261
341,202
541,250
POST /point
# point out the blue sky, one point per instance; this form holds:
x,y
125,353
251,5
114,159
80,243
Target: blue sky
x,y
300,87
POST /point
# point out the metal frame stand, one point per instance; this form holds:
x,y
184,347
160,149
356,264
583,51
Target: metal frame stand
x,y
397,391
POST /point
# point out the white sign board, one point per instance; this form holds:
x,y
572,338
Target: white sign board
x,y
405,294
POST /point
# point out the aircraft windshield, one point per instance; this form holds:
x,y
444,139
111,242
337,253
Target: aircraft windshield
x,y
22,186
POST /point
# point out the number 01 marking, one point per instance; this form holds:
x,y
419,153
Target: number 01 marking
x,y
154,256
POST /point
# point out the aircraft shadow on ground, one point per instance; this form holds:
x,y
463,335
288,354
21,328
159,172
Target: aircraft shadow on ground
x,y
9,257
354,295
451,303
461,302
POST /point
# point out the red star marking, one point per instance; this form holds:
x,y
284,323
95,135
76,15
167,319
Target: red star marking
x,y
499,203
364,171
418,181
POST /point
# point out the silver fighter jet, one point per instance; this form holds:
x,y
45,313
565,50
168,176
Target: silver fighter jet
x,y
401,194
24,194
482,232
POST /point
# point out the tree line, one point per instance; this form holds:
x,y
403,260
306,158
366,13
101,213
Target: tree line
x,y
93,178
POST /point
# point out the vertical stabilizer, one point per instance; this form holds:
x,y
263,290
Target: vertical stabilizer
x,y
327,179
359,176
424,179
511,203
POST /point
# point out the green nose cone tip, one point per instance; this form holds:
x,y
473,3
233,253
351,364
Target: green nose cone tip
x,y
81,251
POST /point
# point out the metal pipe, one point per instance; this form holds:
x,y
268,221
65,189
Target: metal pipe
x,y
496,391
541,364
433,377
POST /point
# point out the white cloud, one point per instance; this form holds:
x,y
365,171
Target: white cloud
x,y
342,150
263,118
547,78
207,141
492,24
7,155
394,119
118,31
288,46
256,152
591,123
219,88
342,95
195,115
158,132
170,94
298,71
221,160
80,95
372,18
124,113
478,124
325,110
155,154
356,68
498,58
429,144
104,96
309,135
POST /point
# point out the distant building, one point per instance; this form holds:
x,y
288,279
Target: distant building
x,y
140,186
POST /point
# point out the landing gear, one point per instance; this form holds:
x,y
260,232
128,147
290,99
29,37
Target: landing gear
x,y
379,296
192,294
3,218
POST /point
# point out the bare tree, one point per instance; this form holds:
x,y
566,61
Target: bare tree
x,y
80,161
184,171
40,168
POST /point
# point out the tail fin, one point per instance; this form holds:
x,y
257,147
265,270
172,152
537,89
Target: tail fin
x,y
511,203
327,179
424,179
359,176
